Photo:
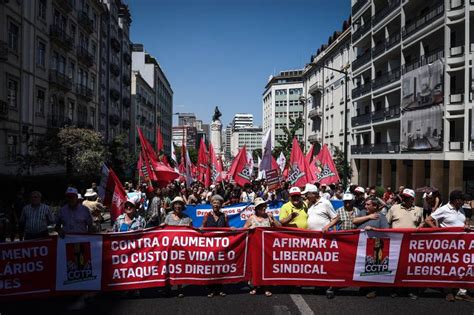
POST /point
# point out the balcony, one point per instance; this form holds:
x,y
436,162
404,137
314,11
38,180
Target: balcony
x,y
315,112
84,92
361,60
66,5
361,148
127,58
361,90
85,22
378,115
361,31
126,80
358,5
376,148
421,22
114,94
385,11
114,119
315,87
386,78
423,60
59,36
126,102
3,109
386,45
114,69
60,80
57,121
360,120
115,44
3,50
315,138
392,112
84,56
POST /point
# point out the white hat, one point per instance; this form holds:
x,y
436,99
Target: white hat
x,y
295,191
79,196
90,193
359,189
407,192
177,199
71,191
310,188
131,201
212,186
258,201
348,197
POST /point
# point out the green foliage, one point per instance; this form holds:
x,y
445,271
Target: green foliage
x,y
193,153
120,158
380,191
285,145
256,154
339,161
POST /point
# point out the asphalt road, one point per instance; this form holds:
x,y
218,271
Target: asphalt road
x,y
238,301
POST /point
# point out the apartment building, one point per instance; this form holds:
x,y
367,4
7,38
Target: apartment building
x,y
281,100
413,93
325,91
49,68
115,71
144,111
251,137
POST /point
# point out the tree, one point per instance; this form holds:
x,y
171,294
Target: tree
x,y
339,161
81,151
285,145
120,158
256,154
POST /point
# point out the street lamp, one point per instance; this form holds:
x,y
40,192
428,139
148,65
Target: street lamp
x,y
346,76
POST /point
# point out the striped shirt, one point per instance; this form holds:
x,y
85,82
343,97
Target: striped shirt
x,y
345,218
36,219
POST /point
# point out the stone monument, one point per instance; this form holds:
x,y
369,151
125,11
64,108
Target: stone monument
x,y
216,132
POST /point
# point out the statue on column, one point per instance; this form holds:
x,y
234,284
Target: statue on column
x,y
217,114
216,132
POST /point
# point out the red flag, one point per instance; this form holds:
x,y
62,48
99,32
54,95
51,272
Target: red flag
x,y
159,140
203,162
215,168
148,156
275,165
165,161
112,192
299,173
240,170
323,167
309,154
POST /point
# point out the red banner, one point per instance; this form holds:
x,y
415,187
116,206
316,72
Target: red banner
x,y
174,256
27,268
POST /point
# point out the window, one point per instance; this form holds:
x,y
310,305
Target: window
x,y
71,70
70,110
40,100
13,32
93,49
93,82
12,98
72,31
12,142
41,53
42,9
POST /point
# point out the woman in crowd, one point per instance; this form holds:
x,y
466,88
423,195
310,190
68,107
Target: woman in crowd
x,y
176,216
260,219
217,219
129,220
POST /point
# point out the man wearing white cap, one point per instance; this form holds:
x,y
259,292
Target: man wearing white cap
x,y
73,217
95,207
344,214
321,211
294,212
359,200
406,214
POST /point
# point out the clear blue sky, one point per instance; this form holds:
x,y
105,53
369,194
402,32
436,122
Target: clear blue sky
x,y
221,52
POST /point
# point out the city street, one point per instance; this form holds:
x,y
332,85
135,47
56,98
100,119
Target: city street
x,y
238,301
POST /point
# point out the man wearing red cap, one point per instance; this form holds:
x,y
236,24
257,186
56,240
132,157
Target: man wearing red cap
x,y
294,212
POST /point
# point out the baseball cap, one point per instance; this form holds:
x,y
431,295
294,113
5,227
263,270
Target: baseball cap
x,y
310,188
407,192
348,197
295,191
71,191
359,189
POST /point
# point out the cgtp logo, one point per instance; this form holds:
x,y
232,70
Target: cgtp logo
x,y
377,257
246,172
78,262
325,172
295,174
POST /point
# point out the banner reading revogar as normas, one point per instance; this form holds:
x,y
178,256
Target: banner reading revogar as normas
x,y
392,257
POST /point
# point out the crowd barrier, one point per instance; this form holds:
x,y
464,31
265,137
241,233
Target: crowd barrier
x,y
266,256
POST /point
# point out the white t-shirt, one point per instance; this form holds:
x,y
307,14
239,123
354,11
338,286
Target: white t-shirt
x,y
320,214
448,216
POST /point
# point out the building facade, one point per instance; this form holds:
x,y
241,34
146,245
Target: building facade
x,y
144,111
251,137
115,72
49,68
242,121
152,73
413,93
324,91
185,134
281,101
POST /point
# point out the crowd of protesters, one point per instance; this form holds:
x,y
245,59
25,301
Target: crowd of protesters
x,y
309,208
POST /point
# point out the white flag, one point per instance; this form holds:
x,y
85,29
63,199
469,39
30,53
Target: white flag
x,y
281,161
266,163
